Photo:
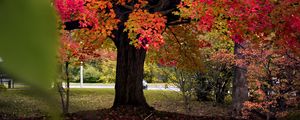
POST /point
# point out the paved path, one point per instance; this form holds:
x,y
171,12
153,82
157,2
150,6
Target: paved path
x,y
151,86
99,85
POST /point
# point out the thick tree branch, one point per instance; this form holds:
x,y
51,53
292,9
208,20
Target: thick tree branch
x,y
155,7
166,12
128,7
290,56
178,22
162,5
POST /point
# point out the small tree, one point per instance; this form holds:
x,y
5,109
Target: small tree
x,y
72,51
177,55
218,59
204,87
68,49
186,83
222,73
272,75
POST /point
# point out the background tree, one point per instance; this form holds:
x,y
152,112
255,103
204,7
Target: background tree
x,y
246,21
272,76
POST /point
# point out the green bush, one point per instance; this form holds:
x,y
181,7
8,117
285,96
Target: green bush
x,y
91,74
295,115
154,73
2,87
94,72
107,71
104,71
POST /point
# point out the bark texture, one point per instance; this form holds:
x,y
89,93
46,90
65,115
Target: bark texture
x,y
130,73
240,86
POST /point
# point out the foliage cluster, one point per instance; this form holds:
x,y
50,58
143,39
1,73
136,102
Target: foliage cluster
x,y
270,32
273,80
215,80
103,71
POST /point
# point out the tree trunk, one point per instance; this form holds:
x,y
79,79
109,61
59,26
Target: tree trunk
x,y
62,98
129,74
220,96
64,92
240,86
67,88
219,91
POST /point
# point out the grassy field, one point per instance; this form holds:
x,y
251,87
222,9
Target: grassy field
x,y
20,103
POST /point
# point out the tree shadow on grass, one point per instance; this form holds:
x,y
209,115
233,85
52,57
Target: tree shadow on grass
x,y
135,113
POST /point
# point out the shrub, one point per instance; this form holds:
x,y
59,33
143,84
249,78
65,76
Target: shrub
x,y
2,87
91,74
107,71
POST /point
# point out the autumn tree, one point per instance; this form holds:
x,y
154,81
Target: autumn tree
x,y
72,51
272,76
182,45
250,21
136,26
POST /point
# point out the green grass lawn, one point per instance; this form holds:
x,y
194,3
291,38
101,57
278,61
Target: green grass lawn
x,y
20,103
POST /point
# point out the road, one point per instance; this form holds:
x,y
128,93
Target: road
x,y
100,85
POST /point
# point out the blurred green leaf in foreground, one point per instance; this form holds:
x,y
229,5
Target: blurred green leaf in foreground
x,y
28,43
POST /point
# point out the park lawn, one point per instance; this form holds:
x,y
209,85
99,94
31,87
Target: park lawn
x,y
21,104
